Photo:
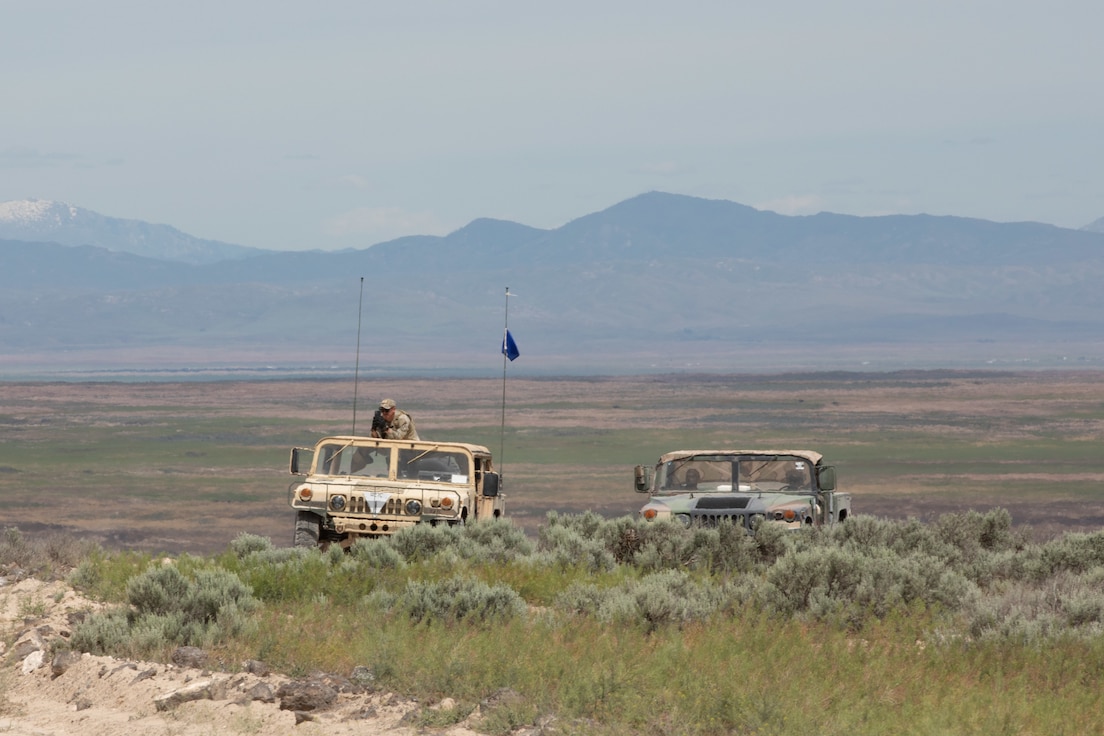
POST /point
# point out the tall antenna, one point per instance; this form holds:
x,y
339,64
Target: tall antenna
x,y
502,427
356,370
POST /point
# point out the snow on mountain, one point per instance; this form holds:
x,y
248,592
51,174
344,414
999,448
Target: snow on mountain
x,y
37,212
46,221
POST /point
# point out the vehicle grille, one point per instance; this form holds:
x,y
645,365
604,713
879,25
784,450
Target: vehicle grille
x,y
737,519
392,507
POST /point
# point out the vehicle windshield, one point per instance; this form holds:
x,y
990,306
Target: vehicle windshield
x,y
736,472
434,465
441,466
344,459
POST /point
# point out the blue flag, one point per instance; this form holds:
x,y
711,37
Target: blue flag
x,y
509,347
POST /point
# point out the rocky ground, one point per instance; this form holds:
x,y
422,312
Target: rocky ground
x,y
46,691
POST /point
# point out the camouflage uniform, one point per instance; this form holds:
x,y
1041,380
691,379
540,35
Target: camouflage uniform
x,y
401,425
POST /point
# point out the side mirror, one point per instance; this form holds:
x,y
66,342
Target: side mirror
x,y
490,485
296,462
826,478
643,478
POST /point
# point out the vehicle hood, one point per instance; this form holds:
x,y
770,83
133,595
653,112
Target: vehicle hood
x,y
752,501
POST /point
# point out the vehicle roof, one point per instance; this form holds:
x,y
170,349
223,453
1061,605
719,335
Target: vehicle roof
x,y
812,457
406,444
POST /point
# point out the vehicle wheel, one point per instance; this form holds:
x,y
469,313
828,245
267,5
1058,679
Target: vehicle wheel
x,y
308,527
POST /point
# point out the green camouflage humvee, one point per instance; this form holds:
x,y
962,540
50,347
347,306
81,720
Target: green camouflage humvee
x,y
745,487
365,487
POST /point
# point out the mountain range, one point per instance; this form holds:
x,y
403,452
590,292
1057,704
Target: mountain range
x,y
657,283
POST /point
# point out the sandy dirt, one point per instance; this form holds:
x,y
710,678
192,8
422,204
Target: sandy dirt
x,y
106,696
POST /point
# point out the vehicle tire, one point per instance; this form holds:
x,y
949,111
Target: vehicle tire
x,y
308,527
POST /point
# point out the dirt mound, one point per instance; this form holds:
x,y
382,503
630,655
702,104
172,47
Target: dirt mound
x,y
44,690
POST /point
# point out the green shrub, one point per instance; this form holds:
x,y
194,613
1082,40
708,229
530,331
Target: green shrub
x,y
105,577
217,596
587,524
772,542
866,533
376,554
166,608
246,544
843,584
282,573
1074,552
158,591
424,541
108,632
663,546
495,541
567,546
1065,603
459,599
14,549
972,531
658,599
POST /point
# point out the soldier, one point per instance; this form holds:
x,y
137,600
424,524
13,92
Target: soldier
x,y
400,426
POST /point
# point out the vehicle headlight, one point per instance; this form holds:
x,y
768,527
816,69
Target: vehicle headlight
x,y
655,511
337,503
413,507
683,519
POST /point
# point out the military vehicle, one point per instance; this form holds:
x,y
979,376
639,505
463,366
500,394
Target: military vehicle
x,y
792,488
355,487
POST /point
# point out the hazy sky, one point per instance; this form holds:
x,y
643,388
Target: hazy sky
x,y
342,124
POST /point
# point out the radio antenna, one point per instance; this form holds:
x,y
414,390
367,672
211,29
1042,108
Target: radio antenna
x,y
356,369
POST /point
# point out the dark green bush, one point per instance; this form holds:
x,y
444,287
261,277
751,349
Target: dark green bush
x,y
376,554
496,541
567,545
661,598
246,544
166,608
831,583
459,599
158,591
971,531
425,541
1074,552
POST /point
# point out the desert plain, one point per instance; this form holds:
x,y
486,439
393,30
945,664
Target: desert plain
x,y
187,466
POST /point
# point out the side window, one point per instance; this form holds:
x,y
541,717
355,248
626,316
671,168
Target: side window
x,y
797,476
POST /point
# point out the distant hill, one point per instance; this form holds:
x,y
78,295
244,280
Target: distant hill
x,y
1096,226
57,222
660,282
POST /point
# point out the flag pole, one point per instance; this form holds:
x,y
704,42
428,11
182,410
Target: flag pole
x,y
356,370
502,426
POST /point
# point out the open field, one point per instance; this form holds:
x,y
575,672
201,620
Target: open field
x,y
188,466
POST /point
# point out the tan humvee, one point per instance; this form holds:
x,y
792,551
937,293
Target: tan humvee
x,y
354,487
